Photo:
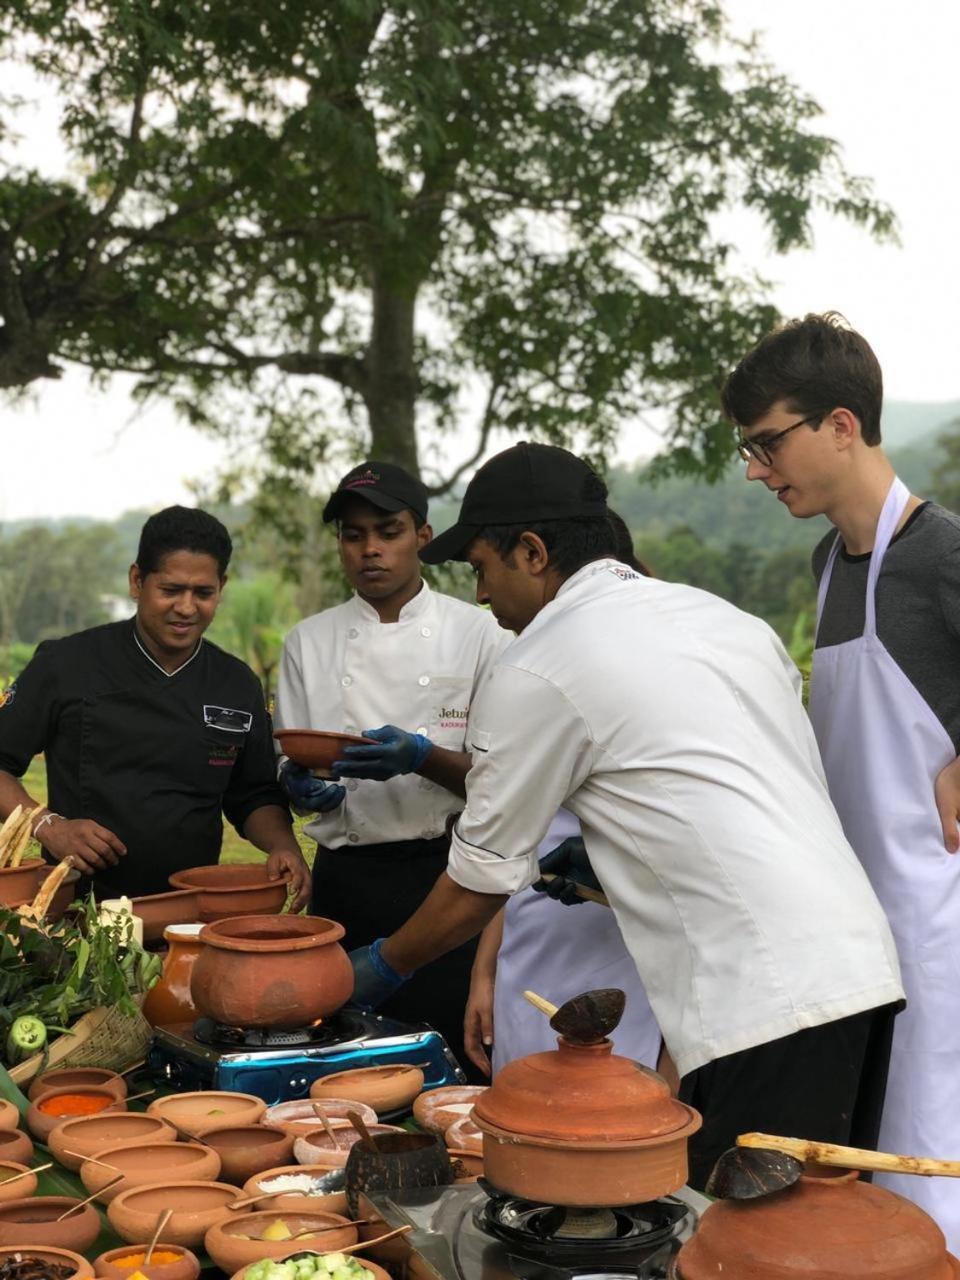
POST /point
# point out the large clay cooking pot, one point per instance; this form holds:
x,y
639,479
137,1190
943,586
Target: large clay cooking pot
x,y
271,971
823,1228
581,1126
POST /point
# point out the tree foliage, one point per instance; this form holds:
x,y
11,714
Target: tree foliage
x,y
52,583
946,477
506,214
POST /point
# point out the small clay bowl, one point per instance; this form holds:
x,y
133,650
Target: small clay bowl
x,y
248,1149
316,749
15,1146
300,1116
76,1140
33,1222
317,1147
186,1267
387,1088
228,1245
378,1272
147,1162
464,1135
82,1270
48,1111
193,1114
302,1201
20,1189
437,1109
196,1207
9,1115
467,1165
77,1078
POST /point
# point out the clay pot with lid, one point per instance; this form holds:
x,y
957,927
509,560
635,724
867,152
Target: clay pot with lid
x,y
581,1126
828,1226
271,971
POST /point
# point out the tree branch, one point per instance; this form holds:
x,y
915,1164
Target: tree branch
x,y
487,423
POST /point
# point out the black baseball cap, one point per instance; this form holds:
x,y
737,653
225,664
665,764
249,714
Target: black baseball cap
x,y
528,482
387,486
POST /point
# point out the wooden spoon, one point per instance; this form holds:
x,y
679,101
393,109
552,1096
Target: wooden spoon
x,y
80,1203
319,1231
264,1195
583,891
161,1223
366,1136
327,1126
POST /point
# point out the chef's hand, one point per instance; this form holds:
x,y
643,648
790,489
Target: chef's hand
x,y
308,793
374,980
285,862
92,847
569,863
478,1023
396,752
946,791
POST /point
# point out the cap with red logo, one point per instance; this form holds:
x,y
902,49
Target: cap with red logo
x,y
384,485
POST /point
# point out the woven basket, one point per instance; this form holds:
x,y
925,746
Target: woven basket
x,y
101,1038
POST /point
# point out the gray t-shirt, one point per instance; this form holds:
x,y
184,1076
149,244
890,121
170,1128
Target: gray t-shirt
x,y
918,606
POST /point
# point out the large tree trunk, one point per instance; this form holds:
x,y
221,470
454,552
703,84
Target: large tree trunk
x,y
390,393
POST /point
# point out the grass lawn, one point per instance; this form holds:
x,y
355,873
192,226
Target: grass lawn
x,y
235,849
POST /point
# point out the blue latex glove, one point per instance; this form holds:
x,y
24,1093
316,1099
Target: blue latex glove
x,y
307,792
396,752
374,980
571,866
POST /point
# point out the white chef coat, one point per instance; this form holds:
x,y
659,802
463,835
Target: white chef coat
x,y
344,670
671,724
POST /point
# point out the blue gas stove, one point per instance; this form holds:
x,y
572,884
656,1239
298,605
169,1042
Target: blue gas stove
x,y
279,1065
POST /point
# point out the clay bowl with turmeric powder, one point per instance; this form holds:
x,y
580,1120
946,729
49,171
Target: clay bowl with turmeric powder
x,y
168,1262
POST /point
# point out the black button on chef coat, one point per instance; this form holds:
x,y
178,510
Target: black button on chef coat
x,y
156,758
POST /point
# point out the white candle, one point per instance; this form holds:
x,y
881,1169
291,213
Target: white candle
x,y
118,908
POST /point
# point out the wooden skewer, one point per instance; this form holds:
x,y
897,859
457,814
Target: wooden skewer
x,y
583,891
265,1195
161,1223
829,1153
538,1002
93,1159
126,1071
320,1231
39,1169
327,1126
144,1093
79,1205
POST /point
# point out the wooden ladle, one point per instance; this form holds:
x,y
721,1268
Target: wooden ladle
x,y
763,1163
587,1018
161,1224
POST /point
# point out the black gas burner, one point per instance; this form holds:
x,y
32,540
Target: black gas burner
x,y
334,1030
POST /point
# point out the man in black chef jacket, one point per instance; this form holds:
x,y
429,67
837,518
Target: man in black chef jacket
x,y
150,733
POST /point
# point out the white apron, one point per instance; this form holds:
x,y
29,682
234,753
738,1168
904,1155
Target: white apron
x,y
882,749
560,951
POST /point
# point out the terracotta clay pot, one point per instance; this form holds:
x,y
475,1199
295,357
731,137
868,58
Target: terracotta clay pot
x,y
233,889
386,1088
194,1113
9,1115
227,1246
196,1207
437,1109
378,1272
316,1147
82,1270
22,1188
581,1126
823,1228
186,1267
75,1140
160,910
169,1000
15,1146
463,1135
34,1222
300,1116
271,971
401,1160
303,1201
47,1112
316,749
77,1078
20,884
148,1162
467,1165
248,1149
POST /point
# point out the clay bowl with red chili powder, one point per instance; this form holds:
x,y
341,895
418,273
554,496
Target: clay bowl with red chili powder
x,y
169,1262
34,1222
51,1109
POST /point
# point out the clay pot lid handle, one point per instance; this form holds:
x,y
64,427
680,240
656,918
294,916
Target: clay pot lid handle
x,y
584,1019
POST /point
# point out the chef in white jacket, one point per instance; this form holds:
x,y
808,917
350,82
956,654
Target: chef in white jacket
x,y
402,662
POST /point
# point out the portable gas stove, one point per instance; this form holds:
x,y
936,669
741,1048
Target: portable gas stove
x,y
279,1065
472,1231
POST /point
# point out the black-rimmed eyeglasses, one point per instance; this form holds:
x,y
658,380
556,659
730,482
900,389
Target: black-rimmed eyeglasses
x,y
764,447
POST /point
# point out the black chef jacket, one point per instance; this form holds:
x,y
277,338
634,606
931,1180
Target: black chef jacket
x,y
155,758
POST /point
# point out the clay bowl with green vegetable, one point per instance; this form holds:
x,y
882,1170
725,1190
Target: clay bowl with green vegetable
x,y
195,1207
194,1113
146,1163
168,1262
250,1237
52,1108
34,1263
34,1222
77,1078
313,1266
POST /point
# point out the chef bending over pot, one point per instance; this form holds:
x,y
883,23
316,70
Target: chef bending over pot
x,y
671,725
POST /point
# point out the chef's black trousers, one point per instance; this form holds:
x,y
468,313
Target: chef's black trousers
x,y
825,1083
372,890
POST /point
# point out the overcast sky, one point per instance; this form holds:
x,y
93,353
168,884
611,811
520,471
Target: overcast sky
x,y
884,72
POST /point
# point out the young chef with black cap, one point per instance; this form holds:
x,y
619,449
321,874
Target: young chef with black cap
x,y
670,723
396,654
150,733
